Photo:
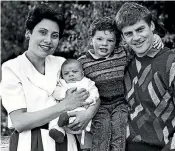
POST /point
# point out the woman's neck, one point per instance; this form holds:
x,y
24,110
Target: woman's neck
x,y
38,62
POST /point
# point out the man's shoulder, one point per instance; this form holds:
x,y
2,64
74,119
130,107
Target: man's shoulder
x,y
163,61
166,54
167,51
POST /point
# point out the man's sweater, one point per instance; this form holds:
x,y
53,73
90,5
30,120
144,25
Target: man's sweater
x,y
150,92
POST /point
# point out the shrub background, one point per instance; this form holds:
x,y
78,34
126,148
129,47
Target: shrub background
x,y
79,15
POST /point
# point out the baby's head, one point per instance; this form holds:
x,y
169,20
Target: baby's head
x,y
104,36
72,71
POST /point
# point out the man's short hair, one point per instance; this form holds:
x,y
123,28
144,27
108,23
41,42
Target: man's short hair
x,y
130,13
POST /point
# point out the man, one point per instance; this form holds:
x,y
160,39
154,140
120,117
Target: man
x,y
149,82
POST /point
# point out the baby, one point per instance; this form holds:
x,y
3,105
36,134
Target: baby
x,y
72,77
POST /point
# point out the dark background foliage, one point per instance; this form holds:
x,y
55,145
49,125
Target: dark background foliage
x,y
79,15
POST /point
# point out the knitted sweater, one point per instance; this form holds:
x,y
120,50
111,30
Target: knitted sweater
x,y
150,92
108,74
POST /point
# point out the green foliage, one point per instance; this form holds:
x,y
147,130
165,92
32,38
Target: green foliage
x,y
79,15
12,30
4,130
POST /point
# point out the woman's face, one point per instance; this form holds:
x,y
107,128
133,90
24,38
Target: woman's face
x,y
44,38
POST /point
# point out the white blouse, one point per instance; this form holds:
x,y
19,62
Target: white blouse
x,y
24,87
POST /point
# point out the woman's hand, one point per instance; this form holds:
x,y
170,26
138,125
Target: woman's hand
x,y
157,42
76,98
23,120
81,121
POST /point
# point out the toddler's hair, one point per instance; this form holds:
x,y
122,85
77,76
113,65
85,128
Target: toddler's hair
x,y
104,24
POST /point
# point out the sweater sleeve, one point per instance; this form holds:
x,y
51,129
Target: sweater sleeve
x,y
93,91
170,146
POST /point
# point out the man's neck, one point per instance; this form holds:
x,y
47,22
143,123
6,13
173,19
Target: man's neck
x,y
150,53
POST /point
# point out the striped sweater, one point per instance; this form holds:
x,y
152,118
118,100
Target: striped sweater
x,y
108,75
150,92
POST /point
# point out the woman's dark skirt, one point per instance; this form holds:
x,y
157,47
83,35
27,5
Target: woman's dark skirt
x,y
36,141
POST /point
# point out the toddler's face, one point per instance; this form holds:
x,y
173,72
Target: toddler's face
x,y
103,43
72,72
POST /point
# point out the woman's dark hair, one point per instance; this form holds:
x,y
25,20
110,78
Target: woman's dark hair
x,y
44,11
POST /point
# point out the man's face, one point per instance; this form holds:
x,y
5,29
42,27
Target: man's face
x,y
139,37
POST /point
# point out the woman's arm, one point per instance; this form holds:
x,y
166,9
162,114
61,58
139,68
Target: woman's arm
x,y
14,100
83,117
23,120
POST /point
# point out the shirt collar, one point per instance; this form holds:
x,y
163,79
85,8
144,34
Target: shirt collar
x,y
91,52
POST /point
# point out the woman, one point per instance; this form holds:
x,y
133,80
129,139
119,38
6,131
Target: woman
x,y
29,80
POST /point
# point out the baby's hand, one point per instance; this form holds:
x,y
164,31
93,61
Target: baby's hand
x,y
157,42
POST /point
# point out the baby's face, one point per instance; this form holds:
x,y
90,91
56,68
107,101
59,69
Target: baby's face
x,y
72,72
